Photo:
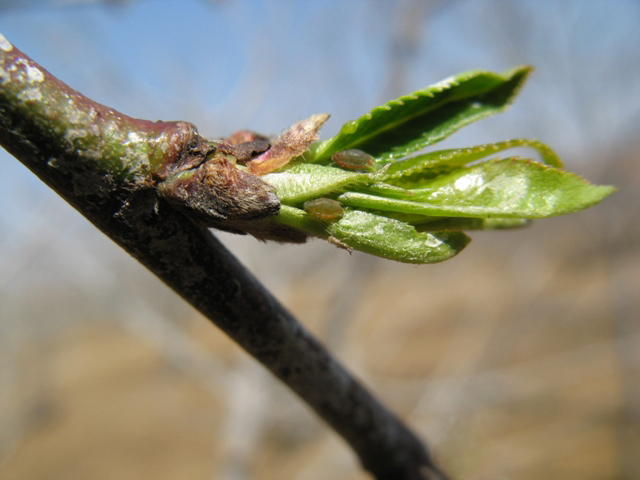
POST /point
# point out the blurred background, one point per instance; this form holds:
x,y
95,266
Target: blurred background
x,y
519,359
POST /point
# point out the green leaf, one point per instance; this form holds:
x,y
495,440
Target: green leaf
x,y
413,209
427,116
302,182
460,156
509,188
465,223
393,239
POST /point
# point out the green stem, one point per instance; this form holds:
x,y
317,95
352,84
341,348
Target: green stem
x,y
298,219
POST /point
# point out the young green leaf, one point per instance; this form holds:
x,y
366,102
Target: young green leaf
x,y
465,223
302,182
509,188
438,159
393,239
427,116
361,189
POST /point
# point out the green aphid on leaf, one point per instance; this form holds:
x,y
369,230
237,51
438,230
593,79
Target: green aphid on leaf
x,y
324,209
353,159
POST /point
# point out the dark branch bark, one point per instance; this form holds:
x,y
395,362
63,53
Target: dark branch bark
x,y
107,165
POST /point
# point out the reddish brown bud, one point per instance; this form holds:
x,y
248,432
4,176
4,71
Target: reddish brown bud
x,y
290,144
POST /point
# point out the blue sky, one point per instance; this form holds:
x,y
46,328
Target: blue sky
x,y
233,64
227,65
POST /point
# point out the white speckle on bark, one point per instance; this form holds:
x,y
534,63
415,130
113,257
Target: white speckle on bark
x,y
34,74
19,62
24,72
5,44
73,133
91,153
134,137
76,116
30,94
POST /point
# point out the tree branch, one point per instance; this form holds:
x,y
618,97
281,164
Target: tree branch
x,y
108,165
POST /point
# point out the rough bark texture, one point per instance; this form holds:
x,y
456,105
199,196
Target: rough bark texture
x,y
108,165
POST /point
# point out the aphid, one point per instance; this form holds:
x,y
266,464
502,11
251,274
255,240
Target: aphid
x,y
245,151
353,159
244,136
324,209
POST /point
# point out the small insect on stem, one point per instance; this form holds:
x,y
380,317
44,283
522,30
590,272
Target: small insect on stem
x,y
353,159
324,209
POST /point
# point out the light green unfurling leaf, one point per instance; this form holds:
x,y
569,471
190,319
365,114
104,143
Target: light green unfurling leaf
x,y
509,188
413,209
393,239
303,182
